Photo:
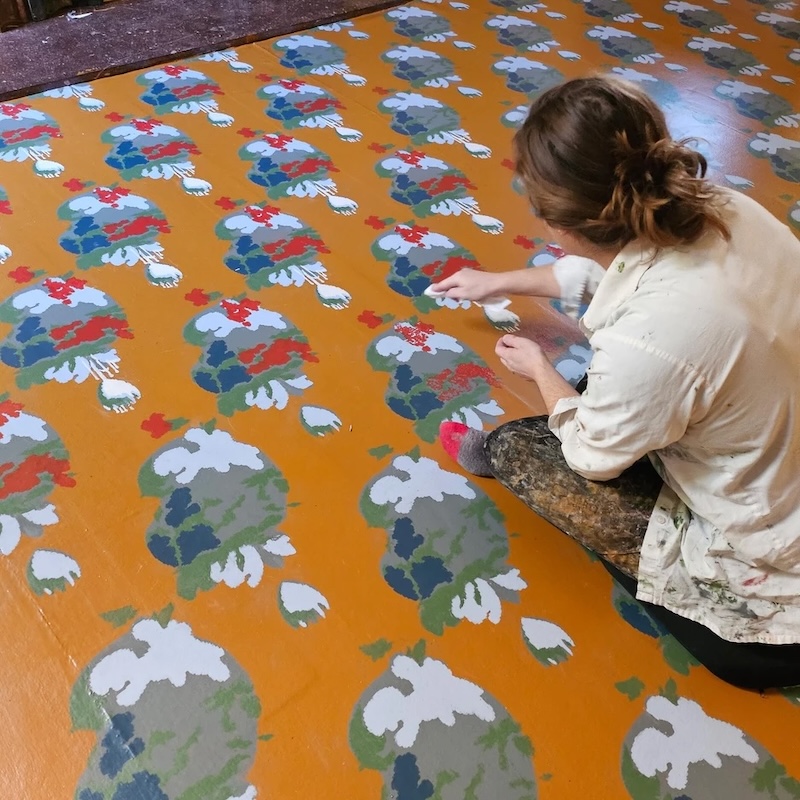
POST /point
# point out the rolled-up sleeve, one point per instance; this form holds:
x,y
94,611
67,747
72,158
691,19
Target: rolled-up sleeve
x,y
638,399
578,279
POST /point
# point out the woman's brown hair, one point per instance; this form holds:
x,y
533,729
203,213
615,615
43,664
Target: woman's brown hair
x,y
595,158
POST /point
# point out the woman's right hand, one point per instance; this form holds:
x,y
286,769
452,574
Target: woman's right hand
x,y
469,284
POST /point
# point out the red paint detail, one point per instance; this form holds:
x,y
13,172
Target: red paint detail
x,y
138,226
156,152
8,409
370,319
556,250
412,157
74,185
412,233
240,311
416,335
143,125
262,357
175,70
26,476
321,104
291,85
444,184
449,384
156,425
248,133
197,297
13,110
21,275
377,147
226,203
62,290
297,168
20,135
91,330
375,222
525,242
110,196
444,269
198,90
381,91
5,207
115,116
296,246
278,141
508,164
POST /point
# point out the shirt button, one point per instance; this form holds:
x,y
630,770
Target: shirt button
x,y
661,519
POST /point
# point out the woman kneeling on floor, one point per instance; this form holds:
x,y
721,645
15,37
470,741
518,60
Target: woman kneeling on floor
x,y
694,324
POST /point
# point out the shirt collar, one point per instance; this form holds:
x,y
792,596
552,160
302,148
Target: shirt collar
x,y
617,285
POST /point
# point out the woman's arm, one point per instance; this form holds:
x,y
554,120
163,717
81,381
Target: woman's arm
x,y
471,284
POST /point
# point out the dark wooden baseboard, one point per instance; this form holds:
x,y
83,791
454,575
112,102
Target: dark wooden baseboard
x,y
131,34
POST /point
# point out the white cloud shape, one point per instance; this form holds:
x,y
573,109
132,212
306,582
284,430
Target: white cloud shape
x,y
505,21
630,74
771,143
696,738
738,89
49,565
221,325
542,634
288,145
605,32
185,74
173,654
706,45
402,349
425,479
402,246
404,52
90,204
517,63
680,7
402,101
244,223
410,12
436,694
401,167
23,426
302,40
217,450
37,301
129,132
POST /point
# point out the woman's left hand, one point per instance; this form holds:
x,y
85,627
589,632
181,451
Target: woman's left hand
x,y
520,355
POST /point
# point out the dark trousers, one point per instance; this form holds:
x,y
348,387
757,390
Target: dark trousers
x,y
611,519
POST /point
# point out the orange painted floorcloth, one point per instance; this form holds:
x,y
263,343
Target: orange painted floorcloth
x,y
235,562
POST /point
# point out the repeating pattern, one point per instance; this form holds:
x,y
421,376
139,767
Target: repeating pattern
x,y
247,571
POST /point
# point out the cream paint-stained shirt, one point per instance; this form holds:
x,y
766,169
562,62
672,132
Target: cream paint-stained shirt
x,y
696,362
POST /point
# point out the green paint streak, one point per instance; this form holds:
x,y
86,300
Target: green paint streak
x,y
631,688
469,792
368,748
381,451
498,736
215,787
417,652
376,650
639,786
117,617
165,615
86,709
